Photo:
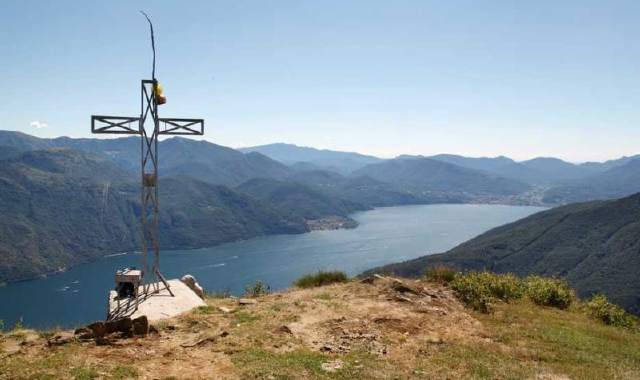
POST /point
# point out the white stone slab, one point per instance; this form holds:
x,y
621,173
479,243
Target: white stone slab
x,y
156,305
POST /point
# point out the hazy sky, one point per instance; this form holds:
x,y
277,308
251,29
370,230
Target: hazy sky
x,y
478,78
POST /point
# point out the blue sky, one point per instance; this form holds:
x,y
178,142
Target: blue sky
x,y
477,78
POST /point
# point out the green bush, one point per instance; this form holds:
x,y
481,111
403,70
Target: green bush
x,y
257,290
599,307
549,292
441,274
321,278
479,289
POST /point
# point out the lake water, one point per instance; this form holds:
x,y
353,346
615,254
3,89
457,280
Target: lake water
x,y
385,235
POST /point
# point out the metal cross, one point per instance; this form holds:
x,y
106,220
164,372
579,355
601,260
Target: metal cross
x,y
150,94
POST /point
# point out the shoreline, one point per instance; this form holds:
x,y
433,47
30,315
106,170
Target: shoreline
x,y
324,224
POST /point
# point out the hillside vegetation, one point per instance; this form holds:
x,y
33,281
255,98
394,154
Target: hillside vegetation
x,y
594,246
300,199
61,207
375,328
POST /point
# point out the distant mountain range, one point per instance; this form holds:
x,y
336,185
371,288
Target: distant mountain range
x,y
426,175
542,180
594,245
342,162
54,191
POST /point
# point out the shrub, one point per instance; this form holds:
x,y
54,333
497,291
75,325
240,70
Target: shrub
x,y
473,292
549,292
321,278
441,274
479,289
257,290
18,326
218,294
599,307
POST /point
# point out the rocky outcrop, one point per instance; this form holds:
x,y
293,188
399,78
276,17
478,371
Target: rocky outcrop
x,y
191,282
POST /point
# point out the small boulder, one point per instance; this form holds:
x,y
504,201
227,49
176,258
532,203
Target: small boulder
x,y
141,326
247,301
191,282
98,328
121,325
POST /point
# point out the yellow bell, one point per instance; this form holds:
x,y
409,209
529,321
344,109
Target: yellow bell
x,y
158,89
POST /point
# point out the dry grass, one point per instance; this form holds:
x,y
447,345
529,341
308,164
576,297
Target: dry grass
x,y
380,330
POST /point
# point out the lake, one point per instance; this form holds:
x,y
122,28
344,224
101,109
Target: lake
x,y
385,235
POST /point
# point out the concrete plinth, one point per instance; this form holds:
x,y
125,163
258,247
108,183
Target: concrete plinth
x,y
155,305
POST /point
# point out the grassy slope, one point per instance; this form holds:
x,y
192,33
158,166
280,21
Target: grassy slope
x,y
367,328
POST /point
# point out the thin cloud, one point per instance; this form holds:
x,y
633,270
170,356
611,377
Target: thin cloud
x,y
38,124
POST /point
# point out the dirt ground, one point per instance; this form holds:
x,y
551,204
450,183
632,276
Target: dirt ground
x,y
379,327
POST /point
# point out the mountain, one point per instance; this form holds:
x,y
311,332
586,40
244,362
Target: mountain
x,y
215,163
201,159
362,189
429,175
553,170
500,166
614,183
299,199
594,245
7,151
290,154
610,164
62,207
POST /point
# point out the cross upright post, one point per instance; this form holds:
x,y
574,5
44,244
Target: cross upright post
x,y
148,127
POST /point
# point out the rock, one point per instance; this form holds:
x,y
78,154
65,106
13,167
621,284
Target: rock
x,y
403,299
120,325
191,282
105,341
399,287
86,336
247,301
98,328
224,309
82,330
332,366
141,326
60,340
372,279
284,329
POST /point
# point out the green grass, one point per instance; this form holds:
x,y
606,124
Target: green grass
x,y
82,373
306,364
324,296
320,279
121,372
441,274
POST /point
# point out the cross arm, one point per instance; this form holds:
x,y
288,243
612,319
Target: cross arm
x,y
115,124
184,127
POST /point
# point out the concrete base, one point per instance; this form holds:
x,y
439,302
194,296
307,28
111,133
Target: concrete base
x,y
155,305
